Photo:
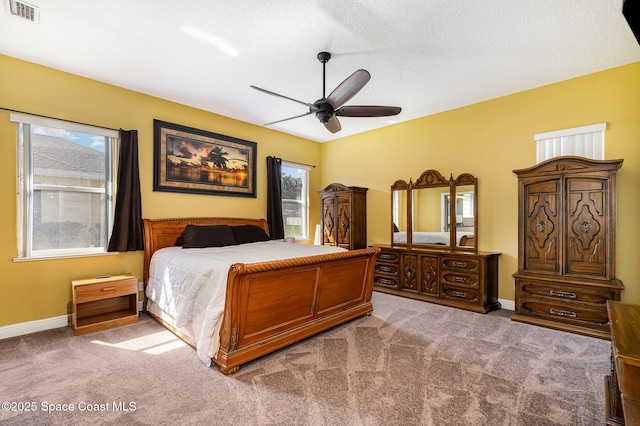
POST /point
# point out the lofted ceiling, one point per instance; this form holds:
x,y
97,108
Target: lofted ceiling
x,y
425,56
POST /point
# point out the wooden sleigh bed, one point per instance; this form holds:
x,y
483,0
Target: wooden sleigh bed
x,y
270,305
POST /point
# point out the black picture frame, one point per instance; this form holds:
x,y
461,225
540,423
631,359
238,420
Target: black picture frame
x,y
195,161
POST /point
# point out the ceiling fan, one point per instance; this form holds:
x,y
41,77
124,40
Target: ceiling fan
x,y
328,108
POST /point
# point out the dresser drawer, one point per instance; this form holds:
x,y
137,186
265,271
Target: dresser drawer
x,y
461,264
387,268
387,281
567,312
467,295
460,279
105,289
388,257
562,291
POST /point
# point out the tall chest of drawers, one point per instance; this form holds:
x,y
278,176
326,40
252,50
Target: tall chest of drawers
x,y
466,280
566,245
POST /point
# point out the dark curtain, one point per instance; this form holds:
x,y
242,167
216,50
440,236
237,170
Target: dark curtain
x,y
274,198
128,234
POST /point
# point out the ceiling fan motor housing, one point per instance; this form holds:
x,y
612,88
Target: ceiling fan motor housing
x,y
323,110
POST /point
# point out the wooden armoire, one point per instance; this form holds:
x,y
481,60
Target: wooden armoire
x,y
566,245
344,216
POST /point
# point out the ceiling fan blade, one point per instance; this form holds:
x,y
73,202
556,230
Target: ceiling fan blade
x,y
333,125
279,95
348,88
367,111
287,119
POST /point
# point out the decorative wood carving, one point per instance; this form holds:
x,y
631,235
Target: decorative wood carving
x,y
567,244
344,216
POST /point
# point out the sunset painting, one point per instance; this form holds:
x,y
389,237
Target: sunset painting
x,y
203,162
192,160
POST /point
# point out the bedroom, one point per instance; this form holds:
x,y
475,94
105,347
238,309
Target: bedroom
x,y
495,137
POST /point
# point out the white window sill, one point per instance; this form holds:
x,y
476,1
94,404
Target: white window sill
x,y
62,256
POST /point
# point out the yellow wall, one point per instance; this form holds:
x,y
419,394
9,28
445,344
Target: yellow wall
x,y
490,140
40,289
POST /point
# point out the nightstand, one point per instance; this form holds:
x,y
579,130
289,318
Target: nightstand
x,y
104,302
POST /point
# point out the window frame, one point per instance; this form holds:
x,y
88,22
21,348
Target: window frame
x,y
304,199
26,187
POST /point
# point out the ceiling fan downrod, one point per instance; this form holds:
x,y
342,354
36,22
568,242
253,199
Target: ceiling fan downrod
x,y
324,58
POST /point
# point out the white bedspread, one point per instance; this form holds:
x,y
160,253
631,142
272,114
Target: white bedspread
x,y
190,284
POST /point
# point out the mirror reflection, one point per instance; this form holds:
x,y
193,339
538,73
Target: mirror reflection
x,y
423,212
399,204
465,216
430,220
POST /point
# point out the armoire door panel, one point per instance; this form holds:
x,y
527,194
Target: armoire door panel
x,y
542,228
586,227
344,221
328,221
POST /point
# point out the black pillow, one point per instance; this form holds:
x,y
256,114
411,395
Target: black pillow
x,y
249,234
195,236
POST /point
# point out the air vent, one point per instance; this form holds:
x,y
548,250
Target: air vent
x,y
23,10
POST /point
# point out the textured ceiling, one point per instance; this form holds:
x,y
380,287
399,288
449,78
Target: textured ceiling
x,y
425,56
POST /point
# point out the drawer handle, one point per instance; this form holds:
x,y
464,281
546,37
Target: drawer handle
x,y
384,281
460,264
460,279
387,257
106,289
461,294
385,269
563,294
564,314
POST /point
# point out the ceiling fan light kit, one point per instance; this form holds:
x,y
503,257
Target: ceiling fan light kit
x,y
328,108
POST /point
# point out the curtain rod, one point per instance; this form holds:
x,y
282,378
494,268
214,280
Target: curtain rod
x,y
61,119
299,163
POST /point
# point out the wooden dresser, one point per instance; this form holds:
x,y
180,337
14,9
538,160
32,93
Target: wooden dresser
x,y
623,386
566,245
344,216
466,280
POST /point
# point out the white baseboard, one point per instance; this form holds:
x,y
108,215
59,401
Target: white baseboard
x,y
29,327
508,304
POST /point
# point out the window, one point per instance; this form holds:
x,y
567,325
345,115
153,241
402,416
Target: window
x,y
586,141
65,187
295,200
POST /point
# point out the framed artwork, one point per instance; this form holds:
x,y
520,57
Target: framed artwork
x,y
200,162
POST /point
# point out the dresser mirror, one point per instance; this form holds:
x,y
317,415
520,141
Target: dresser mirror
x,y
424,215
399,213
466,211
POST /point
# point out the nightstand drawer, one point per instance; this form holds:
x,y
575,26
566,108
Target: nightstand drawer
x,y
105,288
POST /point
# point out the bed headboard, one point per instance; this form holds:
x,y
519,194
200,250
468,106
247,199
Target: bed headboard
x,y
160,233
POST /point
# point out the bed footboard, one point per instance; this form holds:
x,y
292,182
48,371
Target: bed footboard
x,y
271,305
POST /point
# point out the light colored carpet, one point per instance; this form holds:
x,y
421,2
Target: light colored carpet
x,y
409,363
